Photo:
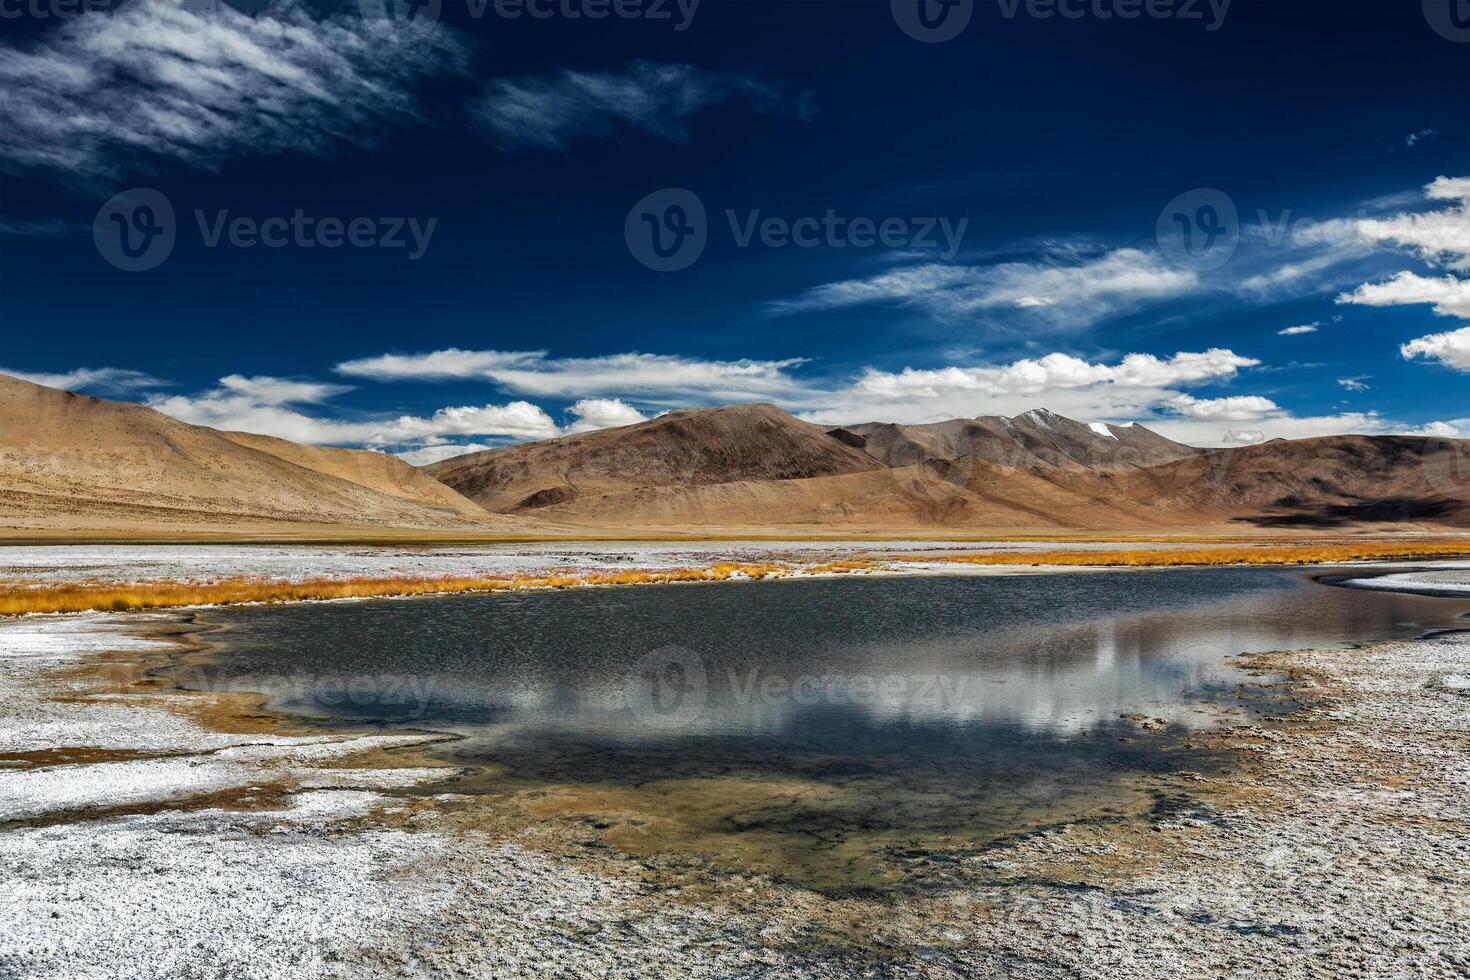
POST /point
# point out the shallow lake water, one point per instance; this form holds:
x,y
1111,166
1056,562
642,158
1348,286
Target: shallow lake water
x,y
824,730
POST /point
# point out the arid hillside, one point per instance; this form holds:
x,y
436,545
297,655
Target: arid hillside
x,y
69,461
755,466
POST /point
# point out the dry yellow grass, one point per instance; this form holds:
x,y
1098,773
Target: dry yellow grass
x,y
1303,554
21,598
112,597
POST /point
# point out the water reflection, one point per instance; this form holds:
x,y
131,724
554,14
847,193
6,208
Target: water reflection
x,y
860,715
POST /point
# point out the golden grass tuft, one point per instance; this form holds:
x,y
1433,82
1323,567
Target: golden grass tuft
x,y
22,598
167,594
1303,554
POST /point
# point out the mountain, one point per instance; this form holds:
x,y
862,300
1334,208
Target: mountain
x,y
69,462
687,449
745,466
1036,437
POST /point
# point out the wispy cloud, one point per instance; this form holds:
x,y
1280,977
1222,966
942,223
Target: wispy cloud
x,y
298,410
105,380
1354,384
1063,291
1297,331
656,377
550,111
105,93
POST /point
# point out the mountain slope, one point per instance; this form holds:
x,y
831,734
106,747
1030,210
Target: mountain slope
x,y
1035,437
67,460
691,448
755,466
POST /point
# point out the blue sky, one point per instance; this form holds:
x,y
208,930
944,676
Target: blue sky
x,y
435,233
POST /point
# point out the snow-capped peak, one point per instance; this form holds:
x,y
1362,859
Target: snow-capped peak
x,y
1101,429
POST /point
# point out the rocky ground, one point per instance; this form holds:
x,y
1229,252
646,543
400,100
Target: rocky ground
x,y
150,833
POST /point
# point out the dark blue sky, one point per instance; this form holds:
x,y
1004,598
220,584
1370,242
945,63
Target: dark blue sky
x,y
1057,145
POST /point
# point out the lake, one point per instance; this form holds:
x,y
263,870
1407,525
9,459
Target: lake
x,y
823,730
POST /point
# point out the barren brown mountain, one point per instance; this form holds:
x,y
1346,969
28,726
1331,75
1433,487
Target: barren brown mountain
x,y
756,466
72,462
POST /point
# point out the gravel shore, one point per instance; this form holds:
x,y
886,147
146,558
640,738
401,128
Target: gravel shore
x,y
1338,847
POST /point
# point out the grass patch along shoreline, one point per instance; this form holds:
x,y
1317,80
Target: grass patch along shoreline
x,y
31,597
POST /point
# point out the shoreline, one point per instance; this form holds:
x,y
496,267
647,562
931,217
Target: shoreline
x,y
533,571
1336,844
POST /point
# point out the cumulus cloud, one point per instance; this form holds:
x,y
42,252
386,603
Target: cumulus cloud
x,y
1058,371
433,454
603,413
1298,330
108,380
551,111
1243,437
1057,291
105,93
1449,295
664,378
1452,349
1235,408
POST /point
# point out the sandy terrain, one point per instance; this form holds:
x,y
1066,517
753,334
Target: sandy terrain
x,y
1338,847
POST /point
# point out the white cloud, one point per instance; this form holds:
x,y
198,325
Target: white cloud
x,y
1419,136
1060,292
1353,384
104,379
1438,237
439,365
1235,408
551,111
1452,349
1450,295
1243,437
264,405
1457,429
603,413
1298,330
433,454
661,377
104,93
